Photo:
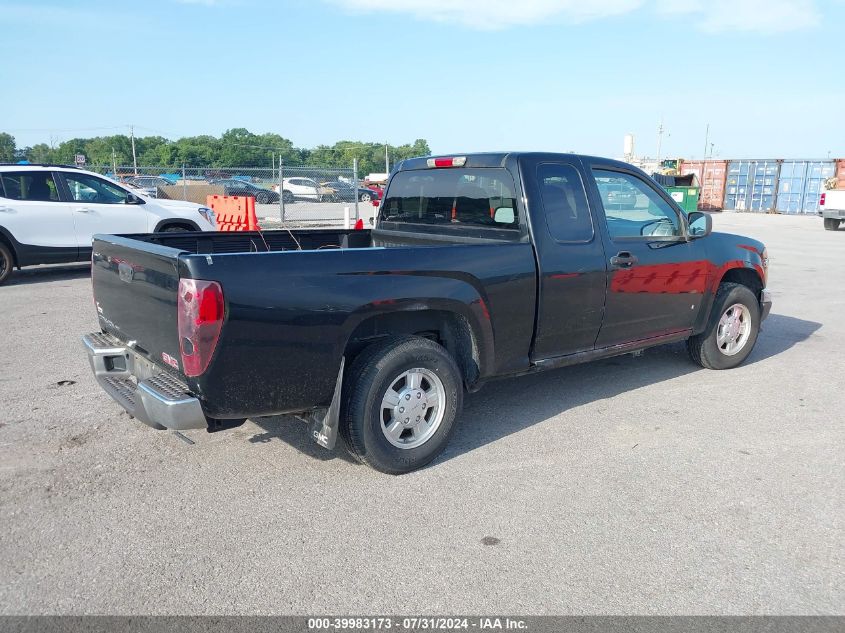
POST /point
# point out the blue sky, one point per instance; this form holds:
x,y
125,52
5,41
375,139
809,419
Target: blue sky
x,y
468,75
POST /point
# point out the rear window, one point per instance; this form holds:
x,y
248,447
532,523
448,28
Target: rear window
x,y
36,186
477,202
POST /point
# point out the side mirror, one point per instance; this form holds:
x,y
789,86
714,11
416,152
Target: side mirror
x,y
504,215
131,198
700,224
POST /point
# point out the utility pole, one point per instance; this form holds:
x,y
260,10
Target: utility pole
x,y
386,160
355,178
659,140
711,149
706,139
134,157
114,163
281,190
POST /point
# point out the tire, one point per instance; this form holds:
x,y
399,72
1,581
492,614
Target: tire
x,y
831,224
731,331
392,365
365,197
262,198
287,197
176,228
7,263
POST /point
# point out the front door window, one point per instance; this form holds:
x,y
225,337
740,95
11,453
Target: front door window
x,y
87,188
633,209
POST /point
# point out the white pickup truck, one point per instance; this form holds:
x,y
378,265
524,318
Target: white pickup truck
x,y
832,208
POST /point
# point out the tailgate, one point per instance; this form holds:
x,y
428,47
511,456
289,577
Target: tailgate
x,y
135,287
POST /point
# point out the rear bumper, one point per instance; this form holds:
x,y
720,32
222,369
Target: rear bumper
x,y
152,396
833,214
765,303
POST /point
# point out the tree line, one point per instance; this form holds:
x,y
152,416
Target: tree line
x,y
237,147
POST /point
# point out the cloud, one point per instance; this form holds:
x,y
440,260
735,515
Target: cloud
x,y
712,16
763,16
495,14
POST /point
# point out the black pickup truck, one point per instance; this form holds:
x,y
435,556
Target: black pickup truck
x,y
479,267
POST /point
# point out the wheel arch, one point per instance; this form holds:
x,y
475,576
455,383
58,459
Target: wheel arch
x,y
743,276
451,329
740,273
168,222
7,239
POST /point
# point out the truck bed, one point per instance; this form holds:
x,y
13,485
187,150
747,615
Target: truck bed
x,y
293,299
257,241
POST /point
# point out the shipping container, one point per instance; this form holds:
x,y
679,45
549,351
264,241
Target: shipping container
x,y
801,183
751,185
711,176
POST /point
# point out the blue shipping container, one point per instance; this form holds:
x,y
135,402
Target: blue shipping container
x,y
801,183
751,185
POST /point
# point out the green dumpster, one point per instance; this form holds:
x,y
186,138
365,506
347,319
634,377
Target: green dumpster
x,y
686,197
683,189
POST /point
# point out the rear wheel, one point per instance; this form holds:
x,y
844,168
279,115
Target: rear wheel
x,y
732,329
287,197
262,198
365,197
7,263
401,404
831,224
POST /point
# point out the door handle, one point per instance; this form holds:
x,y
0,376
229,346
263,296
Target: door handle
x,y
84,210
623,259
6,210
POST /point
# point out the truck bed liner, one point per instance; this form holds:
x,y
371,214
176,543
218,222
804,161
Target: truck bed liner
x,y
257,241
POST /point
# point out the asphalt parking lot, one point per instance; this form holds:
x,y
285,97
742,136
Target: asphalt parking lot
x,y
635,485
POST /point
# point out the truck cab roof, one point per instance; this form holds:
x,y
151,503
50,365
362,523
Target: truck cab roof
x,y
498,159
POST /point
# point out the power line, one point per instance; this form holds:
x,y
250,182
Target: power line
x,y
68,129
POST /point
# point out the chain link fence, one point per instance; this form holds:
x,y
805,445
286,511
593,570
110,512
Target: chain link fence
x,y
299,196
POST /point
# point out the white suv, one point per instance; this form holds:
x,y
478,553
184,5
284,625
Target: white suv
x,y
302,189
49,214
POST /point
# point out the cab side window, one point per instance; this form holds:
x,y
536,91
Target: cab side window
x,y
34,186
565,203
633,209
86,188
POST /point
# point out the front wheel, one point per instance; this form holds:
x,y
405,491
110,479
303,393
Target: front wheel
x,y
831,224
401,404
732,330
262,198
365,197
287,197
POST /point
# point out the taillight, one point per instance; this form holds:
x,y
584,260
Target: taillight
x,y
453,161
821,199
200,315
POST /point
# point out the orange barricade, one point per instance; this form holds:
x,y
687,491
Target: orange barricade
x,y
234,213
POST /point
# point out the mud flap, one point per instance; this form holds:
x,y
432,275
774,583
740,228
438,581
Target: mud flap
x,y
323,423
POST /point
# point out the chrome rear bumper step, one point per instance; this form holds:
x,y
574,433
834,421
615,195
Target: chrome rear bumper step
x,y
161,401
